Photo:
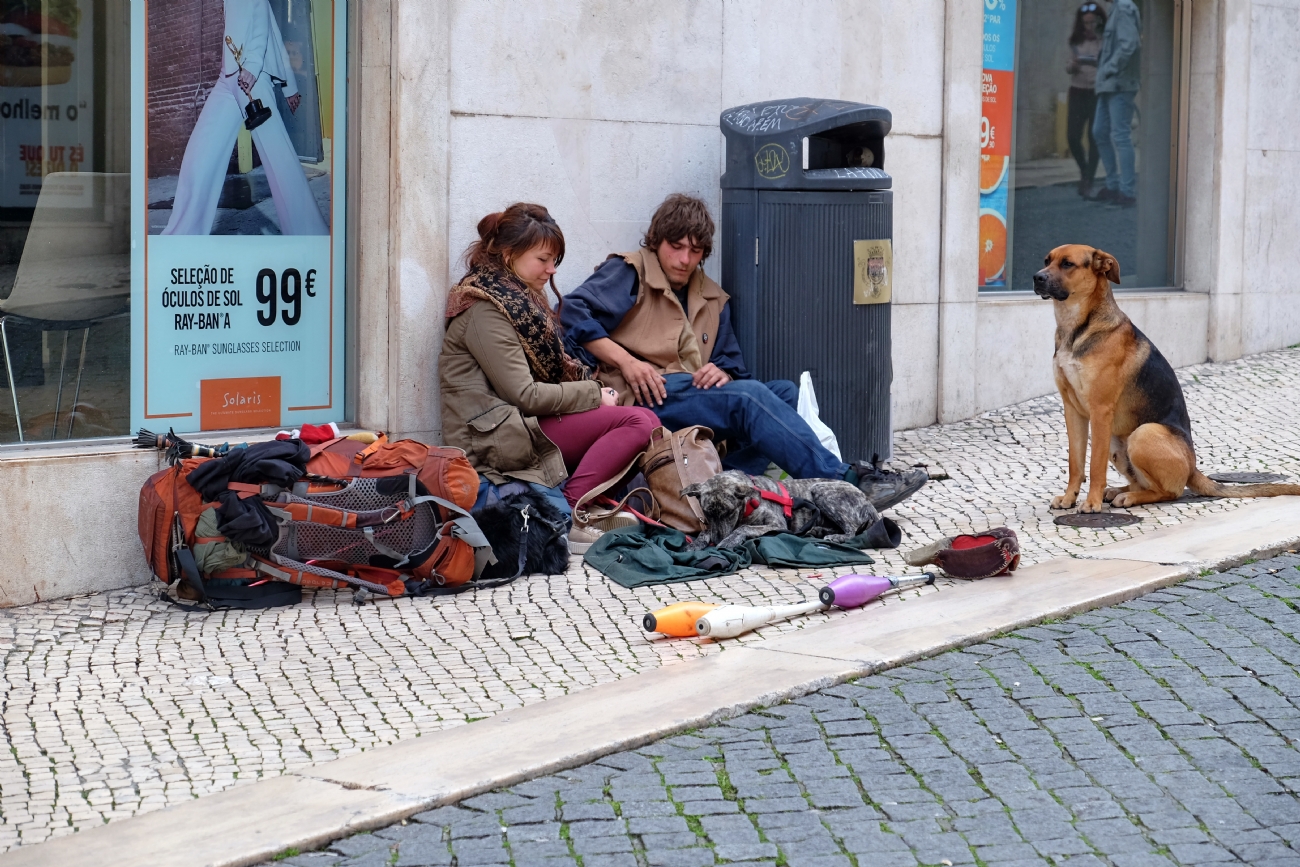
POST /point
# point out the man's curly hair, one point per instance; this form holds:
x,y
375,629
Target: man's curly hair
x,y
681,216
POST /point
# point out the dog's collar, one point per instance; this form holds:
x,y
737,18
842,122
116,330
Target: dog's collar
x,y
783,498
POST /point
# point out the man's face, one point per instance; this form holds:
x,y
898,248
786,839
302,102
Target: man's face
x,y
679,259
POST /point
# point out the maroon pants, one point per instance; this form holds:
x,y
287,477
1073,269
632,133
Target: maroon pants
x,y
598,443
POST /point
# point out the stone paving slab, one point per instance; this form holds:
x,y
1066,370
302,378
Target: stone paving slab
x,y
520,744
116,704
1159,732
1258,528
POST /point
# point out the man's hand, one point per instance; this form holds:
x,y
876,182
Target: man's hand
x,y
646,383
294,101
710,376
246,81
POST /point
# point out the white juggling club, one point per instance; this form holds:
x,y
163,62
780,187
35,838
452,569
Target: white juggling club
x,y
728,621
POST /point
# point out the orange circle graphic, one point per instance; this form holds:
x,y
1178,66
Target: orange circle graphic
x,y
992,169
993,246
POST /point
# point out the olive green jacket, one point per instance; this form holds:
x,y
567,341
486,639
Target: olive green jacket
x,y
490,401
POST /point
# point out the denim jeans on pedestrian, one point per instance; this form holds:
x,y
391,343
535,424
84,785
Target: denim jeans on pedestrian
x,y
1112,127
759,421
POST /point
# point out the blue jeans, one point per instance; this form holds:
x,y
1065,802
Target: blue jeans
x,y
759,421
1112,127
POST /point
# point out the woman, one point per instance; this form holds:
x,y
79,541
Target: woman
x,y
512,399
1085,47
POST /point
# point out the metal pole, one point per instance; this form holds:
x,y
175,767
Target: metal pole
x,y
81,365
9,368
58,400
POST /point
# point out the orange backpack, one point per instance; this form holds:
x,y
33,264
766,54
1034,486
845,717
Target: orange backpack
x,y
387,518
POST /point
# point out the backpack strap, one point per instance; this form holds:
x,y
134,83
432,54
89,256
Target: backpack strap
x,y
272,595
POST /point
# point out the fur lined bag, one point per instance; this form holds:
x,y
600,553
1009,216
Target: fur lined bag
x,y
528,535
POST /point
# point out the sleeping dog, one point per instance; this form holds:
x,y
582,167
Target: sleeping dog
x,y
738,507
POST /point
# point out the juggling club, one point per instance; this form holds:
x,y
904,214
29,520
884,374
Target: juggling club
x,y
728,621
854,591
678,619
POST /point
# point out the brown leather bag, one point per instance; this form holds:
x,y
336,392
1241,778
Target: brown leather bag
x,y
674,460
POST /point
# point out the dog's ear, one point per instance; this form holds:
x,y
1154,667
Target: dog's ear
x,y
692,490
1106,265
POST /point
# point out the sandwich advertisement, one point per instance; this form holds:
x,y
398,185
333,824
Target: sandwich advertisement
x,y
47,87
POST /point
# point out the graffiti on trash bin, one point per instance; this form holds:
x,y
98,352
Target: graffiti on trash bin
x,y
772,161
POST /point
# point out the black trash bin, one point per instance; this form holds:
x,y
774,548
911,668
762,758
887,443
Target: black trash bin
x,y
807,229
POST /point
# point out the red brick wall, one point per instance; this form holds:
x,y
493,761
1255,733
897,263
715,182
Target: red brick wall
x,y
184,62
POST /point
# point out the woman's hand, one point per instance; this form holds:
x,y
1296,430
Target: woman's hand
x,y
608,397
246,81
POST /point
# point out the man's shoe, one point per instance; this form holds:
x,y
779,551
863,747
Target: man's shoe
x,y
887,488
1122,201
1105,194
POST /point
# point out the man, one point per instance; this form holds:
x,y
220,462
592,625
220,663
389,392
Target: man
x,y
1119,70
659,332
252,31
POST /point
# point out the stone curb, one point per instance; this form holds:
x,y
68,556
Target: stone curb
x,y
310,807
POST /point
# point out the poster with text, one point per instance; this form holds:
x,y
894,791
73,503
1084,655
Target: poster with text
x,y
998,85
47,98
238,174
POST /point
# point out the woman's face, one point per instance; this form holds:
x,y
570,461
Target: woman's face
x,y
1090,21
535,267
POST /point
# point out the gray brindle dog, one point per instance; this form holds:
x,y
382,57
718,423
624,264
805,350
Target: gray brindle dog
x,y
738,507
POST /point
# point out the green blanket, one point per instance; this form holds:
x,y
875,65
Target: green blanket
x,y
637,556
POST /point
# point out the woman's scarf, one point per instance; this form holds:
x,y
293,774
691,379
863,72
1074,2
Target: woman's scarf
x,y
538,332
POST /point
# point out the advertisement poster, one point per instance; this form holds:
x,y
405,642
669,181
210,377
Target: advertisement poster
x,y
998,86
47,88
238,301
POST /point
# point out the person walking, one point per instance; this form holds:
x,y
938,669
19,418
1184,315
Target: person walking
x,y
1119,71
250,30
1085,49
513,400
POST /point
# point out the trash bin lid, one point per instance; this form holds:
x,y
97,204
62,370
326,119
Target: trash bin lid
x,y
806,144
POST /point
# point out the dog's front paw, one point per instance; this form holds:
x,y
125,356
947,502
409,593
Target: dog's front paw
x,y
1065,501
1091,505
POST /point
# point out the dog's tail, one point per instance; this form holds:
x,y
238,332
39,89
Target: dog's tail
x,y
1207,487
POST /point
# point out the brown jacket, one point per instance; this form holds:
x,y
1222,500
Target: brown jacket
x,y
657,330
490,401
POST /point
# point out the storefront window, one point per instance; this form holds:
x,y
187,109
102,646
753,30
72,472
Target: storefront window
x,y
65,240
171,215
1078,136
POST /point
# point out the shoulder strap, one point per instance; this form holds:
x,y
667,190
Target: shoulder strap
x,y
675,440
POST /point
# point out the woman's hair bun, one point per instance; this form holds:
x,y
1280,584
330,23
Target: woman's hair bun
x,y
490,225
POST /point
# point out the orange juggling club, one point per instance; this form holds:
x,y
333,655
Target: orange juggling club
x,y
678,619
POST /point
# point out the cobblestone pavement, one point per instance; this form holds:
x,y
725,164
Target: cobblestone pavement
x,y
1158,732
116,704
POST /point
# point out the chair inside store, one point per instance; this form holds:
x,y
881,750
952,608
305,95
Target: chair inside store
x,y
74,275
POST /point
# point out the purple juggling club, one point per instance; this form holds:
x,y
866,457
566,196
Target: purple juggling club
x,y
854,591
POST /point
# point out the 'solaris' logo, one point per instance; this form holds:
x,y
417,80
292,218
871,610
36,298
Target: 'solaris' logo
x,y
772,161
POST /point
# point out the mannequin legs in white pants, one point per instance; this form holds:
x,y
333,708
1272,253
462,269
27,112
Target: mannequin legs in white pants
x,y
207,156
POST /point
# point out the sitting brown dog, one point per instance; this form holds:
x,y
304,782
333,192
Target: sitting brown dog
x,y
1116,386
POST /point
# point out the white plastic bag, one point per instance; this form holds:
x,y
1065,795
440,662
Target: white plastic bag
x,y
808,412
